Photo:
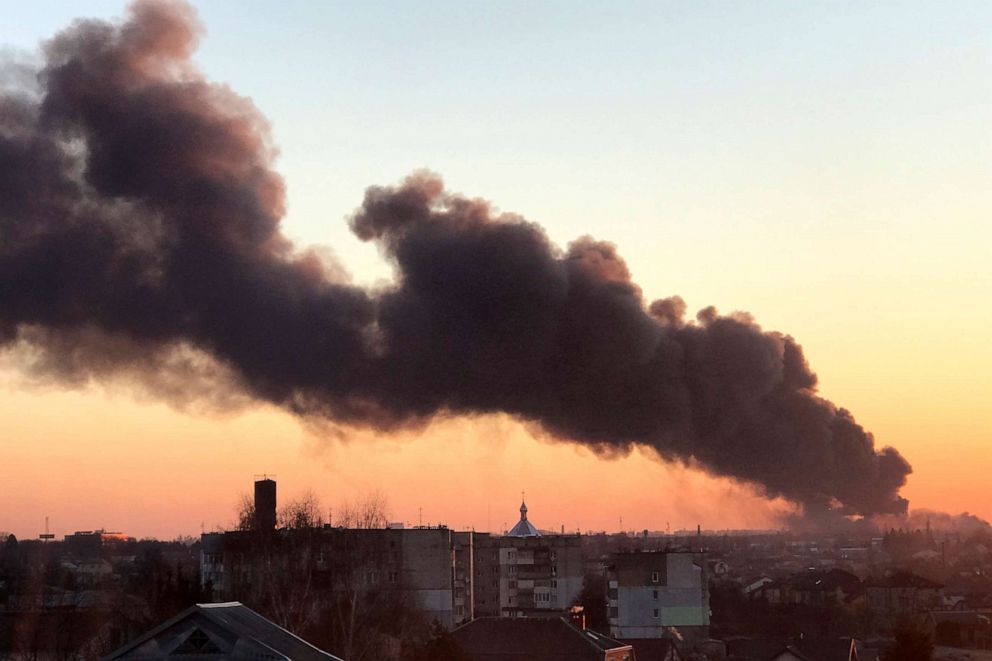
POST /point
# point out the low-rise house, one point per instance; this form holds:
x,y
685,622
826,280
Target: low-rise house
x,y
901,593
960,629
93,571
796,649
537,639
819,588
755,586
220,632
655,649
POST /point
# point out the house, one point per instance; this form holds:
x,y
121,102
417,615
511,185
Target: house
x,y
536,639
755,586
655,649
795,649
960,628
819,588
900,593
220,631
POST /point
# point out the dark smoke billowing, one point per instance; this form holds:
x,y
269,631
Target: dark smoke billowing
x,y
139,219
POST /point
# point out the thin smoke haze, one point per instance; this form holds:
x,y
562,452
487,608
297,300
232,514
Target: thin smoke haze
x,y
139,235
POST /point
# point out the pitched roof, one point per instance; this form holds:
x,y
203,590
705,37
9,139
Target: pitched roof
x,y
832,579
961,617
903,579
224,631
654,649
531,639
810,649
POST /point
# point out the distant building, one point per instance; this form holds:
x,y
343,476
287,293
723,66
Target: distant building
x,y
93,543
538,575
901,592
220,632
542,639
92,572
969,629
212,561
265,504
814,587
649,592
417,562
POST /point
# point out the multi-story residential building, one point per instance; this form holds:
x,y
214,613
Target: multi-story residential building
x,y
485,576
453,577
538,574
328,561
649,592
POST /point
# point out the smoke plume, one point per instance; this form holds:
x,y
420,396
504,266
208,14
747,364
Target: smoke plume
x,y
139,219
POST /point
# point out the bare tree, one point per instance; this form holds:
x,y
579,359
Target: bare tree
x,y
370,512
302,513
245,511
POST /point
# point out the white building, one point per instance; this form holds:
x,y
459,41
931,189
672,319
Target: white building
x,y
653,591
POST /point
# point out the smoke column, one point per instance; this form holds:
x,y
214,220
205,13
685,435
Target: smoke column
x,y
139,229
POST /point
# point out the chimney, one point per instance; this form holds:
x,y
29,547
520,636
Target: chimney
x,y
577,616
265,505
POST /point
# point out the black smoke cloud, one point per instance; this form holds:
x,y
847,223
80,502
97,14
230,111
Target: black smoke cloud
x,y
139,218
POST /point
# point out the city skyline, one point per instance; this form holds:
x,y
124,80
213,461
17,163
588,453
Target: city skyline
x,y
868,249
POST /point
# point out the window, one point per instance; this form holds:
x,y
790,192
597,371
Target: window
x,y
393,577
654,577
512,569
656,613
654,594
512,555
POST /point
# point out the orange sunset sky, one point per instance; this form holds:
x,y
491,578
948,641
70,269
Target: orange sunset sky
x,y
824,168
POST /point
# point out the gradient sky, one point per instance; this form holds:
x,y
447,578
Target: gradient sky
x,y
825,166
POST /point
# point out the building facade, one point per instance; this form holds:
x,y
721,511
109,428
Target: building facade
x,y
651,592
538,575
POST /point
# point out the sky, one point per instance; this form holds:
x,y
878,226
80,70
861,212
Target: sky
x,y
824,166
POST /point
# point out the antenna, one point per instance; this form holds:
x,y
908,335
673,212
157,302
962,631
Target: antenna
x,y
264,476
45,536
